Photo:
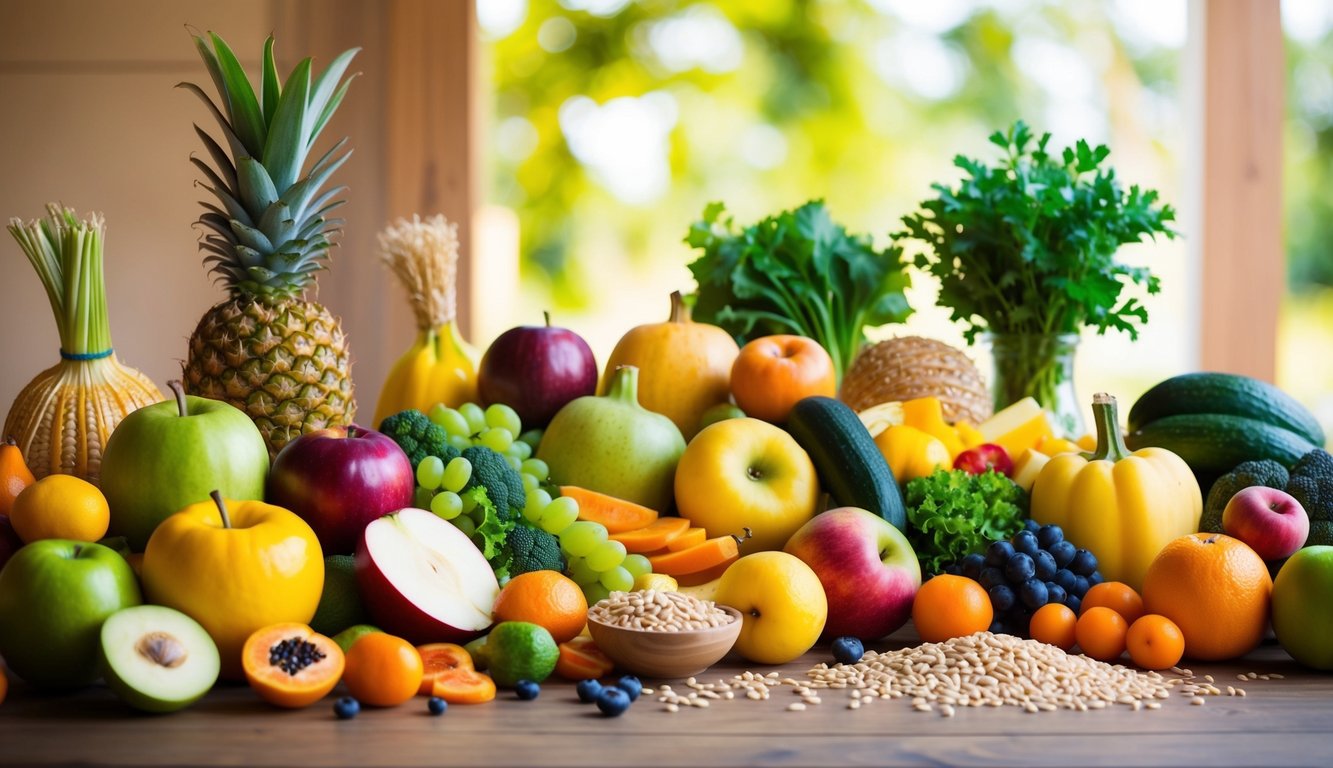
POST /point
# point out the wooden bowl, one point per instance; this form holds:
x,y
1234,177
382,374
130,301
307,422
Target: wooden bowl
x,y
654,653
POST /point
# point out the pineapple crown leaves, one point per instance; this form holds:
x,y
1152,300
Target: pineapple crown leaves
x,y
269,230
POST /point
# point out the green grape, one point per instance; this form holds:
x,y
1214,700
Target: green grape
x,y
537,501
437,414
476,418
617,579
580,537
537,468
530,483
447,505
567,505
498,439
637,565
532,437
595,593
501,415
513,462
469,503
532,513
456,475
422,498
520,450
452,421
552,524
465,524
429,472
581,573
606,556
558,516
460,442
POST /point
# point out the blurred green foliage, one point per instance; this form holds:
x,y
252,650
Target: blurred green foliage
x,y
1308,176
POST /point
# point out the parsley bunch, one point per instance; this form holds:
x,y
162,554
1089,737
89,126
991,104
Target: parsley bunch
x,y
1027,246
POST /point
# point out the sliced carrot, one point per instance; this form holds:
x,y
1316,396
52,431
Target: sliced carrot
x,y
618,515
698,557
704,576
690,538
464,686
581,659
653,537
440,659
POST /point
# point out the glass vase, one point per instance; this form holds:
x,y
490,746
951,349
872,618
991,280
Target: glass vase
x,y
1040,366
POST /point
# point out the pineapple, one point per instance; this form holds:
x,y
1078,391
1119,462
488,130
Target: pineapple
x,y
266,349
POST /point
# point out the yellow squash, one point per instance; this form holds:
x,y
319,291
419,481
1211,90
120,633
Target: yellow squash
x,y
912,453
1124,507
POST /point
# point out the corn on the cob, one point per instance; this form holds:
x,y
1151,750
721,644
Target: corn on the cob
x,y
63,417
440,367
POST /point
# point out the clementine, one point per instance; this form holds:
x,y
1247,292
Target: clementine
x,y
383,670
1155,642
1101,633
1117,596
546,598
951,606
1054,624
773,372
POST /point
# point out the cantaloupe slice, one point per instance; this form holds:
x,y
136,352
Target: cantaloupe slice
x,y
657,535
617,515
687,539
700,557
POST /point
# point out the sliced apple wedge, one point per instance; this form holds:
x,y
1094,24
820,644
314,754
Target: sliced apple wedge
x,y
423,579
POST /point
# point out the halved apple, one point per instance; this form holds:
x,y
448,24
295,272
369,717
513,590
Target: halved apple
x,y
157,659
423,579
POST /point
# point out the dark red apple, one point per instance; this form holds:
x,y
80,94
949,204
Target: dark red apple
x,y
9,541
340,479
987,456
536,369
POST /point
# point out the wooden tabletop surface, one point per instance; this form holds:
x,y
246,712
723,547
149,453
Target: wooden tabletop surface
x,y
1280,722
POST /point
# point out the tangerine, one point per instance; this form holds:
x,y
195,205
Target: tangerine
x,y
1155,642
1116,595
60,507
1215,589
1053,624
383,670
1101,633
548,599
949,606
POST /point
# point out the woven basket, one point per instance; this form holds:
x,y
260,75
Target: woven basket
x,y
911,367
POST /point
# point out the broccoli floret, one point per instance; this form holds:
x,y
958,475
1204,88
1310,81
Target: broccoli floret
x,y
530,549
502,482
1246,474
1312,485
418,436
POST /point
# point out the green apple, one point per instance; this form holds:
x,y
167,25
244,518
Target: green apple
x,y
54,596
1303,607
169,455
747,473
156,658
782,605
613,445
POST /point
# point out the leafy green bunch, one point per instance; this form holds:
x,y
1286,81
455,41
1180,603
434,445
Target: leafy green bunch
x,y
1027,246
798,272
953,513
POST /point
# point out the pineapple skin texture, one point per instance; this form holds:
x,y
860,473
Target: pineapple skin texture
x,y
283,361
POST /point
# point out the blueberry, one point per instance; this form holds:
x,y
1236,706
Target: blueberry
x,y
1074,603
346,708
1096,578
1020,568
588,690
1063,552
1031,526
527,690
1033,593
848,650
1080,586
972,565
613,701
1045,566
1055,593
1026,542
630,685
1049,535
436,705
953,569
1083,563
1066,578
990,577
997,626
998,553
1001,598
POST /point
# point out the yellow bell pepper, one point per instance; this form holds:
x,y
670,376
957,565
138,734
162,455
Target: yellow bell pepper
x,y
912,453
927,415
1124,507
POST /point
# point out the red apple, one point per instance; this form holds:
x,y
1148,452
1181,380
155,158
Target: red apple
x,y
338,480
869,571
985,457
423,579
535,370
1269,520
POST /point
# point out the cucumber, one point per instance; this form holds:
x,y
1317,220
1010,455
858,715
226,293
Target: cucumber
x,y
848,463
1214,443
1225,393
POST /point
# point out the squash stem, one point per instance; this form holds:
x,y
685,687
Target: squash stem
x,y
680,312
624,385
1110,443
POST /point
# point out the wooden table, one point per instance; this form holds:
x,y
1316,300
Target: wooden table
x,y
1279,722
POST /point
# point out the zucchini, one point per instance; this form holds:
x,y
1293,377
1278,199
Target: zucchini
x,y
849,465
1215,443
1225,393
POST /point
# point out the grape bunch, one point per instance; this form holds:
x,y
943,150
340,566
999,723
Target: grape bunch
x,y
597,564
1037,566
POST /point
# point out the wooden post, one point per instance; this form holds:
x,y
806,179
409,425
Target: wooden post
x,y
1240,243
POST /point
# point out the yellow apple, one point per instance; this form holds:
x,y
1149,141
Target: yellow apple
x,y
782,604
747,473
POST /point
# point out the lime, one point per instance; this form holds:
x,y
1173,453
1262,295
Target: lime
x,y
477,650
520,650
340,603
346,638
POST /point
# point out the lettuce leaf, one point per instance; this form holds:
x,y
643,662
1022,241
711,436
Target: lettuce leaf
x,y
953,513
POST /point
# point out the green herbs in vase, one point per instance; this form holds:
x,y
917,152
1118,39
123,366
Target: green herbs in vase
x,y
1024,250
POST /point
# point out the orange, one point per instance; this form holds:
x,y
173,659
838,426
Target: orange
x,y
548,599
383,670
1155,642
950,606
60,507
1215,589
1053,624
771,373
1117,596
1101,633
